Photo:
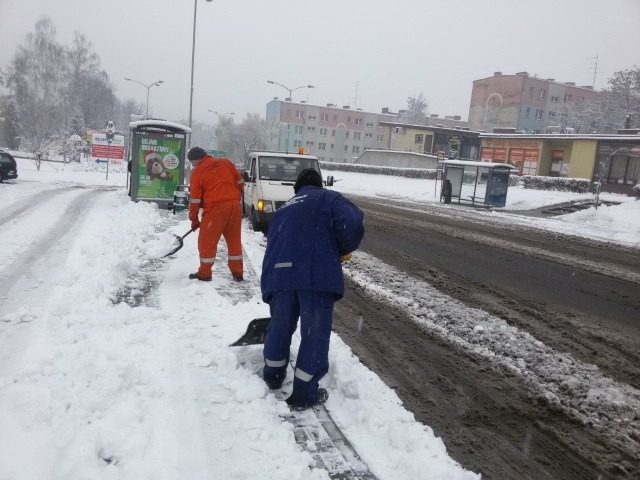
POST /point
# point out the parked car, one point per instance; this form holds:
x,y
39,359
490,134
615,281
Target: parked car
x,y
8,167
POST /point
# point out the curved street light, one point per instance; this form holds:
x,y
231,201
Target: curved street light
x,y
154,84
220,117
603,171
290,90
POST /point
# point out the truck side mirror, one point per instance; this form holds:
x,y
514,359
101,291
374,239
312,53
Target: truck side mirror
x,y
329,181
245,175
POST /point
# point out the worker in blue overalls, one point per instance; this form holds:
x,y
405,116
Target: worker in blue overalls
x,y
309,237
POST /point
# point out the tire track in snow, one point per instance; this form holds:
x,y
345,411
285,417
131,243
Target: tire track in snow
x,y
33,201
75,212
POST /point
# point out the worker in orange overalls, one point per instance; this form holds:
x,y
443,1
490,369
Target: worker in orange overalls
x,y
216,188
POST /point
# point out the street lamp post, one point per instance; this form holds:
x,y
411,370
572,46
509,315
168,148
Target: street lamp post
x,y
290,90
220,117
193,57
154,84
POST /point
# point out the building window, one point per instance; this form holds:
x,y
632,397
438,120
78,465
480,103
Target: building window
x,y
311,129
527,112
356,136
322,146
346,134
349,119
298,113
332,146
298,129
419,138
333,132
355,149
543,94
368,135
358,121
369,124
539,114
346,148
554,99
309,144
552,114
311,117
323,132
335,117
324,117
379,137
568,98
297,143
531,92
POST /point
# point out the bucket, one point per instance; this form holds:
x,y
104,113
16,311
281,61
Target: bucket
x,y
180,200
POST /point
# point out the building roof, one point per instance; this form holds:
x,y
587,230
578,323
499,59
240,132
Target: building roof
x,y
561,136
547,80
432,128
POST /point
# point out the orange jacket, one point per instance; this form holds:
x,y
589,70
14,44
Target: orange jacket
x,y
215,180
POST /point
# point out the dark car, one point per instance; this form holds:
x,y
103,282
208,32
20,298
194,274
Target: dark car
x,y
8,167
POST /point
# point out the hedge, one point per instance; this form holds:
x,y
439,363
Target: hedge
x,y
579,185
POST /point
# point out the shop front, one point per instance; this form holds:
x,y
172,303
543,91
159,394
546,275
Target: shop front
x,y
524,155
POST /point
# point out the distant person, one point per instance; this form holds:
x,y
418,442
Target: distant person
x,y
302,277
216,187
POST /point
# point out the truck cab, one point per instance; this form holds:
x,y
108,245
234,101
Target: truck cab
x,y
269,178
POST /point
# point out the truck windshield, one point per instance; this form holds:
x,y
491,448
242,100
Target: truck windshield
x,y
284,169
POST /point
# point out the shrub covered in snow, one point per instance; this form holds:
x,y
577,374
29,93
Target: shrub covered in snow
x,y
560,184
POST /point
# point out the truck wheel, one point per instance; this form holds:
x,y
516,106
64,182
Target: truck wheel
x,y
254,222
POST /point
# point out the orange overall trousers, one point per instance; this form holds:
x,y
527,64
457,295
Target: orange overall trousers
x,y
221,219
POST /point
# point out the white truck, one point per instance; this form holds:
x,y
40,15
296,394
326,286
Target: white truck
x,y
268,183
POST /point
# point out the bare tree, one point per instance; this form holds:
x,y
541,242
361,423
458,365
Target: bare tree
x,y
35,78
416,113
621,100
239,139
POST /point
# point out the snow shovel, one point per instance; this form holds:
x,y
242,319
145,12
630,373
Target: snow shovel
x,y
256,331
180,243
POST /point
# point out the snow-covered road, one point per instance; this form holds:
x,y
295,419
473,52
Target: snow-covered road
x,y
91,387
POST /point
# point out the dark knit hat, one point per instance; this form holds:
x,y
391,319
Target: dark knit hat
x,y
308,176
196,153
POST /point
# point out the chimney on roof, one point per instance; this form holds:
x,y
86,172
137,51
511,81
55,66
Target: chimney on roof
x,y
496,74
385,109
457,117
346,107
523,74
434,115
551,79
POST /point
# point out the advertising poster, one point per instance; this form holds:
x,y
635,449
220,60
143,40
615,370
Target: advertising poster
x,y
158,167
101,149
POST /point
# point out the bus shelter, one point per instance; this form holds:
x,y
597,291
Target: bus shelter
x,y
156,160
477,183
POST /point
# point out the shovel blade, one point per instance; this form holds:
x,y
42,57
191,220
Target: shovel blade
x,y
256,331
178,247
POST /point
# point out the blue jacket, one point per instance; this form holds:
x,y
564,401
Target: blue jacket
x,y
307,236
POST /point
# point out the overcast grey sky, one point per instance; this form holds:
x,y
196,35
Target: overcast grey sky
x,y
389,49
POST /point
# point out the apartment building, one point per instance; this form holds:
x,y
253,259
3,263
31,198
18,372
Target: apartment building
x,y
332,133
522,102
